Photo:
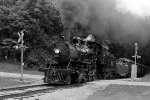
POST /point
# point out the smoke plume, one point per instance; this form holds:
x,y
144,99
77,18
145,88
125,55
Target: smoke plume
x,y
107,18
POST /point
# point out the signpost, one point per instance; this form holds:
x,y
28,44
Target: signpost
x,y
21,46
134,66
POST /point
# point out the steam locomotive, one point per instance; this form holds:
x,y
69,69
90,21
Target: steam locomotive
x,y
84,60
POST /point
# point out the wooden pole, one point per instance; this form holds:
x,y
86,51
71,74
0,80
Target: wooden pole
x,y
22,47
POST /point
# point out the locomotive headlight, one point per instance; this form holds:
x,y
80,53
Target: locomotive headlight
x,y
57,51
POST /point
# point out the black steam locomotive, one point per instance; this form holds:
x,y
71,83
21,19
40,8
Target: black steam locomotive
x,y
80,61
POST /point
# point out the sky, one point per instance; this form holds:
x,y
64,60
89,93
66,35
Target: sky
x,y
140,8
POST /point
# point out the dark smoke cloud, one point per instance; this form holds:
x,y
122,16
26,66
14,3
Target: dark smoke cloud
x,y
103,19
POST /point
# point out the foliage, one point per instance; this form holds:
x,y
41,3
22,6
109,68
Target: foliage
x,y
39,18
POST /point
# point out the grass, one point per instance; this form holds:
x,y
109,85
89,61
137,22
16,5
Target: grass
x,y
9,82
15,68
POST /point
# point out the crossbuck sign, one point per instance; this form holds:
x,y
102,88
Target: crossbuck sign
x,y
21,46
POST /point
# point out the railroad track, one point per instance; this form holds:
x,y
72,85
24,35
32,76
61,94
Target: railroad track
x,y
23,91
27,91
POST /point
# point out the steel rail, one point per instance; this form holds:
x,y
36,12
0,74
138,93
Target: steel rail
x,y
47,88
21,87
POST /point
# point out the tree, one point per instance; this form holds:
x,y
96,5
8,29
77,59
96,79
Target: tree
x,y
39,18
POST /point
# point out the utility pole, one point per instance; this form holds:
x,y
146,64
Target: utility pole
x,y
134,66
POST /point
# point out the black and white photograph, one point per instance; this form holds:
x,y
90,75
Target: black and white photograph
x,y
74,49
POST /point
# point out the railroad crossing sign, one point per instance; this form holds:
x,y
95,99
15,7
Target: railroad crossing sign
x,y
134,66
22,47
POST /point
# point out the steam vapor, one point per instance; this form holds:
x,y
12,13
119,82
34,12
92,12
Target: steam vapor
x,y
107,18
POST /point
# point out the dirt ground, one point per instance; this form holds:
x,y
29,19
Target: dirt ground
x,y
124,92
120,92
